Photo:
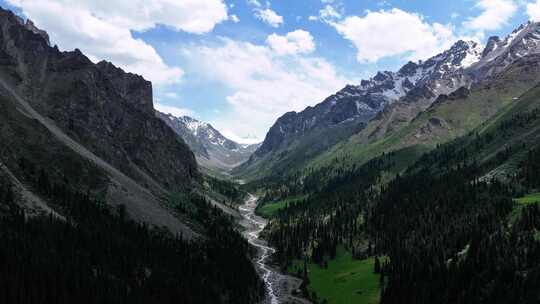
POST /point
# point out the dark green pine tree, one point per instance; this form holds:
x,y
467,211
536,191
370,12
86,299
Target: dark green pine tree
x,y
377,266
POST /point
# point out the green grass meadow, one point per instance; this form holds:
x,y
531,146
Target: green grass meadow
x,y
529,199
269,209
523,201
345,281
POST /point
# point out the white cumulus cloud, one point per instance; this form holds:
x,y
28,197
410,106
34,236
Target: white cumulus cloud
x,y
254,3
495,13
234,18
270,17
170,95
265,13
329,13
533,10
394,32
297,42
247,139
103,29
263,84
175,111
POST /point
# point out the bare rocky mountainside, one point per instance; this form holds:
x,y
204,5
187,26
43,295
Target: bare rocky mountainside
x,y
420,105
91,124
212,150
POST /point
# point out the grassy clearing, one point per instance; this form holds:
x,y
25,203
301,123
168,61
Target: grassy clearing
x,y
345,281
522,202
268,210
529,199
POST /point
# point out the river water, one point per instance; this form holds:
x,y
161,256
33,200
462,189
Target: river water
x,y
279,287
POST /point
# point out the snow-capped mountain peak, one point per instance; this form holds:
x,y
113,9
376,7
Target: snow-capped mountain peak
x,y
212,148
473,54
191,123
386,87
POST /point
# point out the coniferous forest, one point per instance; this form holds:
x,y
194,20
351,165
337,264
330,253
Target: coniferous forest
x,y
449,241
448,233
97,255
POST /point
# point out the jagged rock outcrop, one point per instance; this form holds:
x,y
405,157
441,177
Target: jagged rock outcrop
x,y
500,53
29,25
131,87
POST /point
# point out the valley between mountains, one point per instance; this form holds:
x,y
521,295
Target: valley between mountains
x,y
419,185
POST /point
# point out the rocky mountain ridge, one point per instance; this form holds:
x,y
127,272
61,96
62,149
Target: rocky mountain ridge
x,y
390,100
499,53
362,102
90,124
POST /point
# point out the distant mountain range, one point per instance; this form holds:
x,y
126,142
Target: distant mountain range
x,y
420,105
211,148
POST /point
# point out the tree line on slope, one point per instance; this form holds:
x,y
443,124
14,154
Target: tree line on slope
x,y
229,190
98,255
530,170
334,216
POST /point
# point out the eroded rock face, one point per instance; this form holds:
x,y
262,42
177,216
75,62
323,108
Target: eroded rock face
x,y
131,87
104,108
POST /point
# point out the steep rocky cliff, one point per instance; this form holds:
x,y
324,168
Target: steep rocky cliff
x,y
97,114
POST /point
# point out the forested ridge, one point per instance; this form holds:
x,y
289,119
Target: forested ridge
x,y
230,192
449,232
98,255
328,218
448,241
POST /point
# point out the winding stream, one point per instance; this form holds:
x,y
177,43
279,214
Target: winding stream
x,y
254,224
279,287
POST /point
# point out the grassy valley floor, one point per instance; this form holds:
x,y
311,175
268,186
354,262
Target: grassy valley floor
x,y
345,280
268,210
529,199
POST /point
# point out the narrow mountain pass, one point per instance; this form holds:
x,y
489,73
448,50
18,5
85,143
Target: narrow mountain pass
x,y
279,286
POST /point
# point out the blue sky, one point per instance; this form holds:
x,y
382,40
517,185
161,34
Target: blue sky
x,y
240,64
